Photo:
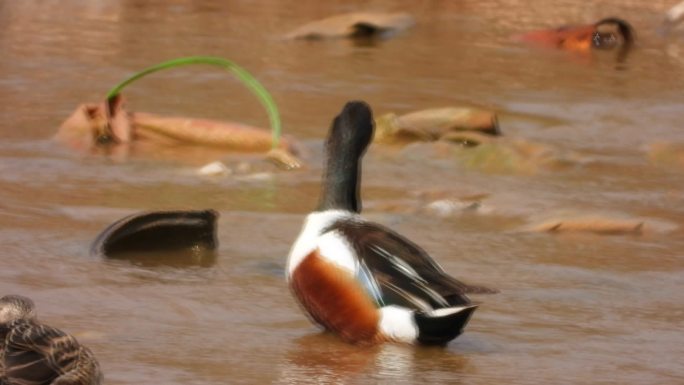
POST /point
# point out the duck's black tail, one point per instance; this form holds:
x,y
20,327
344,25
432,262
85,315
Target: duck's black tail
x,y
440,326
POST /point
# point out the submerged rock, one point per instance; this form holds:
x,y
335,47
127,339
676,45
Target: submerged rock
x,y
434,124
214,169
516,156
354,25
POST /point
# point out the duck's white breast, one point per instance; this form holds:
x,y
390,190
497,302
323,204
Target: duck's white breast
x,y
331,245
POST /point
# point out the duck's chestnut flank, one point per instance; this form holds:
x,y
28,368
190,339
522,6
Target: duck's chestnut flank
x,y
354,316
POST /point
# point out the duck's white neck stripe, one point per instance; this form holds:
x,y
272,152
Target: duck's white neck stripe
x,y
312,238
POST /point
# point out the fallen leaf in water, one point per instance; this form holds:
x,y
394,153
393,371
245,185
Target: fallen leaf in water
x,y
598,223
434,124
284,159
358,24
89,128
592,224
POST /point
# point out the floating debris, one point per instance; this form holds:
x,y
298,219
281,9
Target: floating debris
x,y
495,155
449,207
434,124
284,158
591,223
597,223
516,156
215,169
354,25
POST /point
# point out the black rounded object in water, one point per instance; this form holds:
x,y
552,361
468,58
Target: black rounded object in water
x,y
158,231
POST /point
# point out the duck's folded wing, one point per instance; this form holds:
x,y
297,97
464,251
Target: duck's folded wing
x,y
405,273
36,354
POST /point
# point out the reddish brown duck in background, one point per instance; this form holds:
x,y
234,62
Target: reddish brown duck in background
x,y
606,34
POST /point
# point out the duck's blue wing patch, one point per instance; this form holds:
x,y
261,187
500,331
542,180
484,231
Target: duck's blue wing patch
x,y
365,277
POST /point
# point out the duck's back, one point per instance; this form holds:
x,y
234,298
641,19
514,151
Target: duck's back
x,y
404,274
36,354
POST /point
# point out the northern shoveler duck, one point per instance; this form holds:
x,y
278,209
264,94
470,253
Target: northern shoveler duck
x,y
360,279
606,34
35,354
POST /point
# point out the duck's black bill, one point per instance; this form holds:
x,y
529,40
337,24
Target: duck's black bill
x,y
183,237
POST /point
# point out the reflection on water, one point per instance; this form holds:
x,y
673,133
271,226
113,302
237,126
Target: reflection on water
x,y
196,256
322,358
575,307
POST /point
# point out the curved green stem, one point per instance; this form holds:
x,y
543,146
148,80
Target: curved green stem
x,y
245,77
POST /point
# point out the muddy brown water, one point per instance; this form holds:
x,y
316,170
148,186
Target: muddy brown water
x,y
574,307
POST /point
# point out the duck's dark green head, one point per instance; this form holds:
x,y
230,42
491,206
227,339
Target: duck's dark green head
x,y
350,134
352,129
16,307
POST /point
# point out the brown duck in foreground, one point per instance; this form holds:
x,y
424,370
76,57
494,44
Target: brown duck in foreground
x,y
35,354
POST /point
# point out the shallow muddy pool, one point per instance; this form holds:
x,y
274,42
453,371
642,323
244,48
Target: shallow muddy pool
x,y
575,307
